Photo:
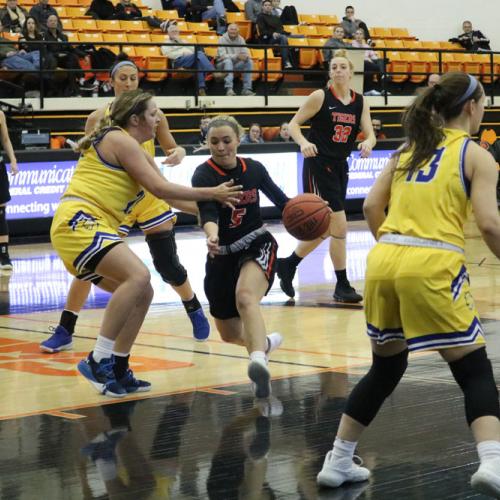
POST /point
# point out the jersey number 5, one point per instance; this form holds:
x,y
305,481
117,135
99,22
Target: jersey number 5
x,y
427,173
342,133
237,216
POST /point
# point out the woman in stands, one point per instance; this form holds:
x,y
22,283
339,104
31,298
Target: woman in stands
x,y
417,286
336,114
153,216
241,252
85,230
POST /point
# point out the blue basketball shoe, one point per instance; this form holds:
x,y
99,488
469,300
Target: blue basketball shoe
x,y
201,326
131,384
60,340
101,376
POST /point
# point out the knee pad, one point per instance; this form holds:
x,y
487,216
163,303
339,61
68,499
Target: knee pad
x,y
4,228
165,259
474,375
372,390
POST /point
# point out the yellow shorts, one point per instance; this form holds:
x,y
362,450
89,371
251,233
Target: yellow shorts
x,y
79,232
421,295
150,212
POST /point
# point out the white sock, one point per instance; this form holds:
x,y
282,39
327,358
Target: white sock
x,y
274,340
343,450
103,348
258,356
487,450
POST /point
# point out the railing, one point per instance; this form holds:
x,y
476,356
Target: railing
x,y
268,71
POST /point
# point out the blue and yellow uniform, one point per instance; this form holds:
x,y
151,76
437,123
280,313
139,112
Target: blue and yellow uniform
x,y
86,222
417,285
150,212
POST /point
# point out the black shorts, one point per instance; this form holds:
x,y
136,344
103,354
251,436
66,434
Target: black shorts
x,y
223,271
327,178
4,184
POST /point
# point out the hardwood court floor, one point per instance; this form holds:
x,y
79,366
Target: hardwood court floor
x,y
198,433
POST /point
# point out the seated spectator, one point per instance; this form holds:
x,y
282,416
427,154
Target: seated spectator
x,y
472,39
433,79
373,65
271,31
230,59
13,16
65,54
377,128
41,12
254,135
102,9
284,134
203,10
201,138
183,56
14,59
351,24
128,11
252,9
287,14
334,43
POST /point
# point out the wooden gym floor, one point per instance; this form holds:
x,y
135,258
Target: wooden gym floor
x,y
199,434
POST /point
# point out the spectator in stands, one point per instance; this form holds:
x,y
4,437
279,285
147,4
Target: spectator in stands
x,y
254,135
208,9
472,39
373,65
41,12
232,58
351,24
13,16
252,9
14,59
179,5
334,43
201,138
271,31
284,134
377,128
433,79
65,54
128,11
287,14
102,9
183,56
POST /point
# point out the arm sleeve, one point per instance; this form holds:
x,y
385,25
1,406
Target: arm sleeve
x,y
208,209
271,190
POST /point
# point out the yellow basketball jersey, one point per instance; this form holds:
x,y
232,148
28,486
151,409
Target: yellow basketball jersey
x,y
432,202
106,186
148,146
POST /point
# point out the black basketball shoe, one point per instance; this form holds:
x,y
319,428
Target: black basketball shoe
x,y
344,292
286,272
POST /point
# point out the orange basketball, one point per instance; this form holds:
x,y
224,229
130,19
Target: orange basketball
x,y
306,217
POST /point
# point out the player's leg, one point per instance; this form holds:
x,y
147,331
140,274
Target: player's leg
x,y
472,371
62,338
123,316
5,262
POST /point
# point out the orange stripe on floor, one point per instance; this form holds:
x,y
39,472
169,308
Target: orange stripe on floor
x,y
64,414
218,391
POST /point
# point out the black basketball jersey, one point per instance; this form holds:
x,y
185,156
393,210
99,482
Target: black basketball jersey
x,y
246,216
335,126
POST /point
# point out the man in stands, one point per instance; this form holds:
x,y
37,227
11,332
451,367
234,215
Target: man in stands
x,y
42,11
183,56
351,24
231,57
472,39
334,43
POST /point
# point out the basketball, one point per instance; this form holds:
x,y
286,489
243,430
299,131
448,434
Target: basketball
x,y
306,217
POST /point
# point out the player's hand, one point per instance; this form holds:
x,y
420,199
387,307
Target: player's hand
x,y
213,246
365,149
175,156
308,149
14,169
227,193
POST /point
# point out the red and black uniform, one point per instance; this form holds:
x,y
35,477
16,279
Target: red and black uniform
x,y
333,129
242,236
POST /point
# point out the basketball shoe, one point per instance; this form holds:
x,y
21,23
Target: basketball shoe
x,y
131,384
60,340
201,326
260,377
286,273
337,472
487,478
101,376
344,292
6,263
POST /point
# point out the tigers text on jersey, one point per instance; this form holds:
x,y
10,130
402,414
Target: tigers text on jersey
x,y
433,201
106,186
335,126
246,216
